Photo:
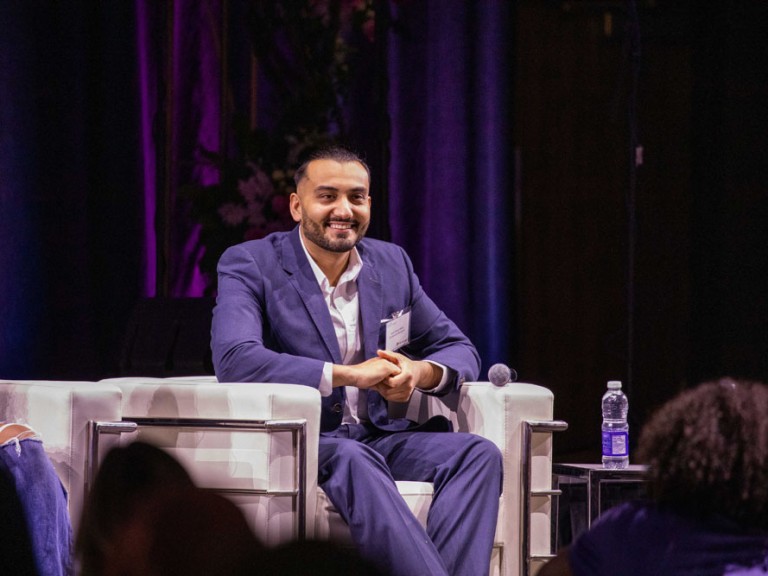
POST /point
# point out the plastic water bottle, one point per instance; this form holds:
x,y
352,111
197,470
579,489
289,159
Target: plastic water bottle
x,y
615,427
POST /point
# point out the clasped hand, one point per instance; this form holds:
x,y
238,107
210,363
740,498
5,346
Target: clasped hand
x,y
392,375
399,386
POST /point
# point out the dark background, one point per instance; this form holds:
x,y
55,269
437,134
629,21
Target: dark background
x,y
656,277
700,304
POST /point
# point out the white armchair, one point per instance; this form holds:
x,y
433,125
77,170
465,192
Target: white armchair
x,y
255,443
238,462
258,444
518,419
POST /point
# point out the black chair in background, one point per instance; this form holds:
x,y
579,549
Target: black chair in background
x,y
168,337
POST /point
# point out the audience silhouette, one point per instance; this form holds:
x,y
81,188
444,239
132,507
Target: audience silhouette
x,y
145,516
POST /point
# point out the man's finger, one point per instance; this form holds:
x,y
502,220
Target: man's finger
x,y
387,355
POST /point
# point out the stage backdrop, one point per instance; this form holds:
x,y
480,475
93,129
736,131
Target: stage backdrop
x,y
451,173
86,184
70,198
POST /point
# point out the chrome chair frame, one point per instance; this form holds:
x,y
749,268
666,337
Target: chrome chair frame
x,y
531,427
298,428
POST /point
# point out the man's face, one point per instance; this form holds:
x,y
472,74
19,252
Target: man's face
x,y
332,204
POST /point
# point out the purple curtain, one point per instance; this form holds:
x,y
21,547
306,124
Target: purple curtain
x,y
180,112
86,194
69,202
451,176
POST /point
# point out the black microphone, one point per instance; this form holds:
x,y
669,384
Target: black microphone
x,y
500,374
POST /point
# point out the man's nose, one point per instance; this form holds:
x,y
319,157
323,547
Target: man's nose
x,y
342,208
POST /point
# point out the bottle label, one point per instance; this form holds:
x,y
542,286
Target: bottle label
x,y
615,444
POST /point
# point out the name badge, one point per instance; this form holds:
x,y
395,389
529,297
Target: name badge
x,y
398,330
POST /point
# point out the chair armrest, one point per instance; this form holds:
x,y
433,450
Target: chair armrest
x,y
498,414
493,412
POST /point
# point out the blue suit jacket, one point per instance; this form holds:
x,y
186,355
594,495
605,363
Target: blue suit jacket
x,y
271,323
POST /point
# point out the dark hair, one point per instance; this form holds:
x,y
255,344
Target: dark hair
x,y
337,153
707,451
129,477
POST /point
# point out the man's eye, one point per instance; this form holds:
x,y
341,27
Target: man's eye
x,y
358,198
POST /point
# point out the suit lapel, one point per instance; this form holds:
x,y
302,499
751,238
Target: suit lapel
x,y
370,296
295,263
369,290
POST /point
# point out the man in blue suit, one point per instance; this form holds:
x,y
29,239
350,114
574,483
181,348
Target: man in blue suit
x,y
323,307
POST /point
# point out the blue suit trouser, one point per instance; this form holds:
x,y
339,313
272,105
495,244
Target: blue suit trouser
x,y
359,476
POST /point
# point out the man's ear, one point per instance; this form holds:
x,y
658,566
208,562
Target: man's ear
x,y
295,205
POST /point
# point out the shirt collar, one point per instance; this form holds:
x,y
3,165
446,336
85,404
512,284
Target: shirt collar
x,y
354,266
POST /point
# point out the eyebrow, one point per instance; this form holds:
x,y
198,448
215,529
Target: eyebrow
x,y
322,188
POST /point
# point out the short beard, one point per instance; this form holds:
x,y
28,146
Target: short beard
x,y
314,232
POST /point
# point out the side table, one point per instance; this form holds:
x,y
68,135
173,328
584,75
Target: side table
x,y
601,488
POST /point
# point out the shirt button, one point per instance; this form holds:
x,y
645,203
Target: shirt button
x,y
336,408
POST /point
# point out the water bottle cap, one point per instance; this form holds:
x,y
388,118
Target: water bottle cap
x,y
614,384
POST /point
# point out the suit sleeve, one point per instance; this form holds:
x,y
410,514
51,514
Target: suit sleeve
x,y
241,327
437,338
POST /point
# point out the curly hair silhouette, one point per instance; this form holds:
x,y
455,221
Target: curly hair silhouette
x,y
707,450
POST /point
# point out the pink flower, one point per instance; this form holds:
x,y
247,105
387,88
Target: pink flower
x,y
320,9
369,29
258,186
350,6
232,214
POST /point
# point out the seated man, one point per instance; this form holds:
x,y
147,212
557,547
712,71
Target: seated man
x,y
323,307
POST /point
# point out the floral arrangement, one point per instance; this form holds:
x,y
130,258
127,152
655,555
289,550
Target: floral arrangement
x,y
305,50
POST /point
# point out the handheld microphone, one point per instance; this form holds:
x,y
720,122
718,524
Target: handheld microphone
x,y
501,374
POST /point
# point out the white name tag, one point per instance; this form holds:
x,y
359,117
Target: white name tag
x,y
398,331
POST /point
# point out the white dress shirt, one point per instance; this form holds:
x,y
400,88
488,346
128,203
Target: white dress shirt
x,y
344,306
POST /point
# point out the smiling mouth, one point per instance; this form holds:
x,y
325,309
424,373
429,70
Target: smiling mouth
x,y
341,225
